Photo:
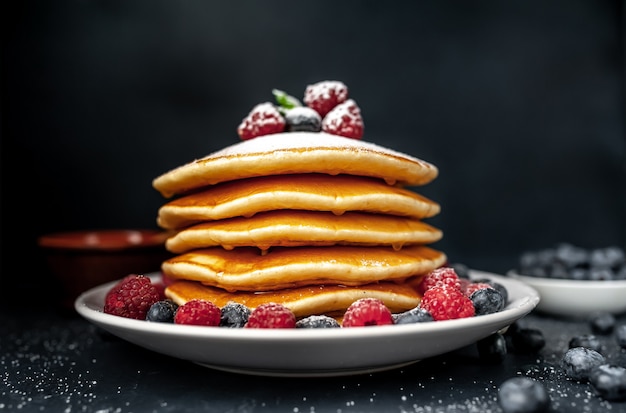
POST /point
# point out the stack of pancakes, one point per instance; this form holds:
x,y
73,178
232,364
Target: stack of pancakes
x,y
309,220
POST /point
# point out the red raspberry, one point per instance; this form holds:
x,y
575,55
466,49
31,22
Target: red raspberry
x,y
271,315
162,283
464,283
198,312
131,297
324,96
447,303
440,276
263,119
367,312
344,120
167,280
471,288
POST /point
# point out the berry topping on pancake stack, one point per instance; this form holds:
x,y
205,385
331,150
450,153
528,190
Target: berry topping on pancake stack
x,y
301,212
327,109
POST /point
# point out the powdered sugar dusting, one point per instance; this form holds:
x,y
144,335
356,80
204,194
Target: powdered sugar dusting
x,y
325,95
344,120
304,141
322,90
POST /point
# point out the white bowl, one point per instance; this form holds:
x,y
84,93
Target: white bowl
x,y
576,298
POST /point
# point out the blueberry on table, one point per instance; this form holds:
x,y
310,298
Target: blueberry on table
x,y
523,395
620,336
609,382
492,349
589,341
578,362
602,322
527,340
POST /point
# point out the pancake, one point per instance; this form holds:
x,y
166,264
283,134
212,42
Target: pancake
x,y
291,228
317,192
303,301
296,152
248,269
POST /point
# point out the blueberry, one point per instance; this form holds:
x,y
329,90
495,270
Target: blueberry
x,y
620,273
609,382
516,326
415,315
601,274
546,257
579,274
317,321
578,362
492,349
496,285
527,261
567,261
610,257
538,272
620,336
571,256
523,395
234,315
461,270
487,301
303,118
602,322
162,311
527,340
559,270
586,340
502,289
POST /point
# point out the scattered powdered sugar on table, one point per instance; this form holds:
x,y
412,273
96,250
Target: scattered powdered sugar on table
x,y
39,366
71,366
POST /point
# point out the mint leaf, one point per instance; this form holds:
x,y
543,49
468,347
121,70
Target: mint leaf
x,y
284,100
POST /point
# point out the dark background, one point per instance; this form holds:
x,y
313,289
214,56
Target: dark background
x,y
519,103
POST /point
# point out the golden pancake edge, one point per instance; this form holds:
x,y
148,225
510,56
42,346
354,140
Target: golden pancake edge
x,y
291,228
315,192
250,269
296,152
302,301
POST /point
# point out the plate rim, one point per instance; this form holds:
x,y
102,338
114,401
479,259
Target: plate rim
x,y
89,313
89,305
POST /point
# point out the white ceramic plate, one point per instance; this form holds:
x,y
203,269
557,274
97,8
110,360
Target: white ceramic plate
x,y
310,352
577,299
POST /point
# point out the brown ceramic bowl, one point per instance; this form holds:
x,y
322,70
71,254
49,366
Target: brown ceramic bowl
x,y
81,260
